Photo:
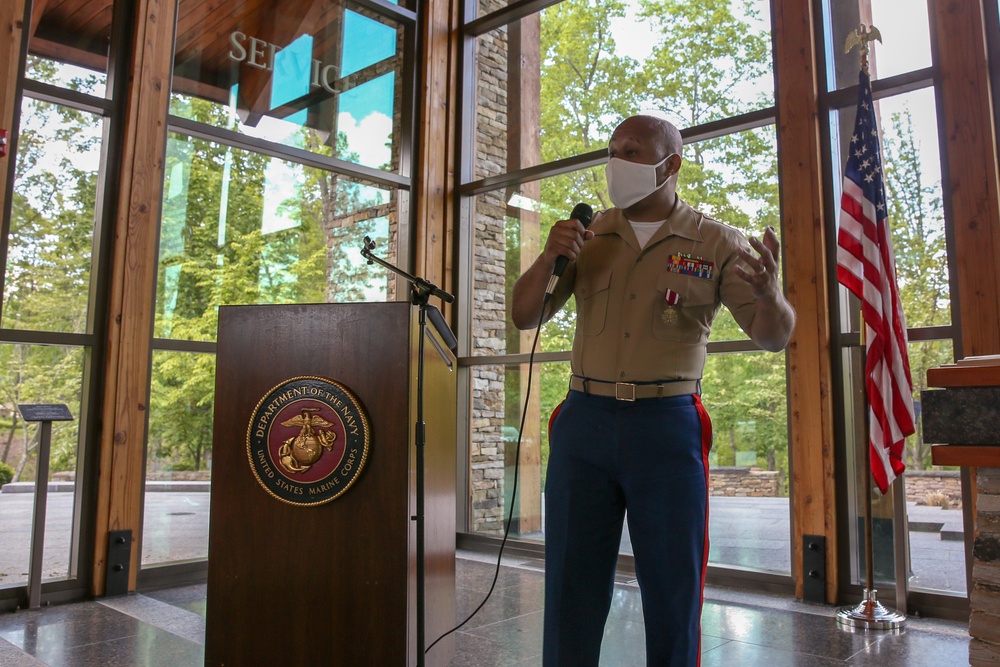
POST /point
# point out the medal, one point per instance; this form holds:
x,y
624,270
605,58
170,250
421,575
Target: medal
x,y
670,312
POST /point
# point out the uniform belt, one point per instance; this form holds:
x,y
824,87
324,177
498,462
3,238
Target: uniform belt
x,y
630,391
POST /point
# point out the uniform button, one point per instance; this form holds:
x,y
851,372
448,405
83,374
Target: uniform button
x,y
632,297
621,374
627,334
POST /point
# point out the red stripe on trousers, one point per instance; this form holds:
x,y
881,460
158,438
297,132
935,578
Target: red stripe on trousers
x,y
706,447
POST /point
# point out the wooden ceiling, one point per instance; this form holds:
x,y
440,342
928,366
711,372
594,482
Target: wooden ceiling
x,y
72,31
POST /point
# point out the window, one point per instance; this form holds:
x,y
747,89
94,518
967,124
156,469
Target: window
x,y
287,146
52,312
549,90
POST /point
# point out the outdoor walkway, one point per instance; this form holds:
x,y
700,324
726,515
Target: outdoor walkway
x,y
751,533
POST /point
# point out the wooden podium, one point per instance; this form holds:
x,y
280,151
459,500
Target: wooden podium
x,y
965,414
332,583
962,417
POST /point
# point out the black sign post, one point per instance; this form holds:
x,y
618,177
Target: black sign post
x,y
44,414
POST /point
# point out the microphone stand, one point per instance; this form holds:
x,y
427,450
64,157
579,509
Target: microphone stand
x,y
420,294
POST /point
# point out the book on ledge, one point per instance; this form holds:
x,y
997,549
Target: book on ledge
x,y
981,360
976,371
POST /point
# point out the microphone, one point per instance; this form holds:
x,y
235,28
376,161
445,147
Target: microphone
x,y
583,213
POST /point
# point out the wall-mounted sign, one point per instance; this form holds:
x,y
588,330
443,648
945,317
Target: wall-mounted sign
x,y
260,54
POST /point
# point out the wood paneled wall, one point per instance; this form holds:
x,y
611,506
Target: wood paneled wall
x,y
971,174
436,231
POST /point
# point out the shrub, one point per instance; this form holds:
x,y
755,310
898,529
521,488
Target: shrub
x,y
6,473
937,499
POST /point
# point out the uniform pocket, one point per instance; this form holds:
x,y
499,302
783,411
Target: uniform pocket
x,y
592,302
690,320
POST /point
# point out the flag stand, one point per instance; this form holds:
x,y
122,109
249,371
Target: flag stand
x,y
869,614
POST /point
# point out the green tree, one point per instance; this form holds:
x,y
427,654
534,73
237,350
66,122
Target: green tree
x,y
48,268
586,90
916,217
334,199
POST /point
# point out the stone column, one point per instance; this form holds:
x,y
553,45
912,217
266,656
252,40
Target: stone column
x,y
984,596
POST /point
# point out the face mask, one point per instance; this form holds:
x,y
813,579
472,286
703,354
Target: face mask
x,y
631,182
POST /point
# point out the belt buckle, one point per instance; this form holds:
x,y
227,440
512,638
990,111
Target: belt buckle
x,y
625,391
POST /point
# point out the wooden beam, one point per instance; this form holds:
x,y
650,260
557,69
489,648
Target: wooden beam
x,y
67,53
986,456
966,374
37,9
11,25
971,172
524,149
811,445
434,187
127,369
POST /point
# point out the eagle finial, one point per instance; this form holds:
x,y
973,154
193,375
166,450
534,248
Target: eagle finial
x,y
861,37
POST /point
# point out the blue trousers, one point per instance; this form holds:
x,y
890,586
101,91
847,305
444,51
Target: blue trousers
x,y
606,457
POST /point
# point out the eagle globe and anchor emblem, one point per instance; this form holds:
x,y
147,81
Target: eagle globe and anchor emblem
x,y
299,453
308,440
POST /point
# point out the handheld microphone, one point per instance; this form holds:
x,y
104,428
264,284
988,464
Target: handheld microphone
x,y
583,213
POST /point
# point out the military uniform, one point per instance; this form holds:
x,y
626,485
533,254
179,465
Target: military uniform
x,y
632,434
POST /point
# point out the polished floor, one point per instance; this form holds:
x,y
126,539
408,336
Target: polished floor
x,y
166,628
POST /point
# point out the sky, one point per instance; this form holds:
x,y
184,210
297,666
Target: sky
x,y
905,47
904,29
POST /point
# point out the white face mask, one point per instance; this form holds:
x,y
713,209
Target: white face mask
x,y
631,182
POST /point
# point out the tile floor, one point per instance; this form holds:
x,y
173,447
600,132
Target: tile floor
x,y
166,628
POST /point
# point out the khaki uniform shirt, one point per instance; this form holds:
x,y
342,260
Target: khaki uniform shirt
x,y
626,329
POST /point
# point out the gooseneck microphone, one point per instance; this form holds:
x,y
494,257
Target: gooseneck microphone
x,y
583,213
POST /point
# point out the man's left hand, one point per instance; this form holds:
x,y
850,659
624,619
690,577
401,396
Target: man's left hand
x,y
761,271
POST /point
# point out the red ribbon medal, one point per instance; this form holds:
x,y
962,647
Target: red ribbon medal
x,y
670,313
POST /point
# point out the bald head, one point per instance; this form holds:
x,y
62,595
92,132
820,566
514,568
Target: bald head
x,y
665,137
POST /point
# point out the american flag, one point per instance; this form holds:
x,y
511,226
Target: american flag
x,y
866,266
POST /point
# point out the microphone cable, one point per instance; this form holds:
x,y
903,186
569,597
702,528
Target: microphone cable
x,y
513,493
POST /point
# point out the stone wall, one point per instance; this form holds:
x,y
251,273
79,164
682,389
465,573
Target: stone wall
x,y
489,270
486,451
984,600
923,487
388,210
744,482
151,476
927,487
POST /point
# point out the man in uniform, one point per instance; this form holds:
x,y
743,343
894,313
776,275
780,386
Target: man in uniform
x,y
649,277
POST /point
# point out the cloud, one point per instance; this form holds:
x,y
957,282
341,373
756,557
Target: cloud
x,y
370,138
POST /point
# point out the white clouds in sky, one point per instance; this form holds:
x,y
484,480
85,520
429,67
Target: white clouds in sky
x,y
370,138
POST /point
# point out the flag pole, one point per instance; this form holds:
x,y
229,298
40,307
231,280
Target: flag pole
x,y
869,532
869,614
